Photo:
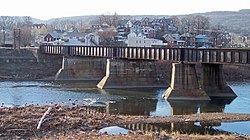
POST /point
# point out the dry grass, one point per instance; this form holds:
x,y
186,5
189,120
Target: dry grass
x,y
81,122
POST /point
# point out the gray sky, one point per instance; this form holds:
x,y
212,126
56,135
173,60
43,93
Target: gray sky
x,y
46,9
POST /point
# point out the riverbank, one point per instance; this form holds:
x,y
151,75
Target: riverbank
x,y
82,122
27,64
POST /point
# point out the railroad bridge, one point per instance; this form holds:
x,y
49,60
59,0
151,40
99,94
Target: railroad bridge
x,y
139,67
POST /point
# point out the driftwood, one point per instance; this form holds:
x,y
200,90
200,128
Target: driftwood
x,y
41,120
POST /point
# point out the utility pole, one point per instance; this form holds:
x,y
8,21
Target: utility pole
x,y
17,38
4,36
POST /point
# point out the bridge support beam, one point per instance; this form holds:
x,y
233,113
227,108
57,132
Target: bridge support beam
x,y
184,84
213,81
121,73
81,69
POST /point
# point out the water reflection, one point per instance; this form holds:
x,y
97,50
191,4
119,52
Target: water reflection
x,y
184,107
114,130
135,102
194,107
129,102
183,128
215,105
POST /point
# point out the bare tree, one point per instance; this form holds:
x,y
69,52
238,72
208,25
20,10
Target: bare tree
x,y
6,24
217,36
177,22
110,20
25,31
83,27
106,36
196,24
186,24
201,23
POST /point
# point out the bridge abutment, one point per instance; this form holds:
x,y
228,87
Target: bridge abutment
x,y
184,84
81,69
213,81
123,73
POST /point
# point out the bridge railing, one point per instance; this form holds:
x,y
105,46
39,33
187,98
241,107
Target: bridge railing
x,y
154,53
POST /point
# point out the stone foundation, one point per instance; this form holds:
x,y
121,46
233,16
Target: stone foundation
x,y
122,73
82,68
213,81
184,84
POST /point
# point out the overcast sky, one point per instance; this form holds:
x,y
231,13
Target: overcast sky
x,y
46,9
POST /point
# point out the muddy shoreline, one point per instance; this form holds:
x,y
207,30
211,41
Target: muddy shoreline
x,y
83,122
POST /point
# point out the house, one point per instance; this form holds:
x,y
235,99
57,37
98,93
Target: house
x,y
73,38
189,39
80,39
92,39
72,35
6,38
164,24
149,32
202,41
52,38
39,29
95,27
123,28
173,39
7,44
140,40
146,22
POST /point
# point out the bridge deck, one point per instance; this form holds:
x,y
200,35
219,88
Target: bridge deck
x,y
241,56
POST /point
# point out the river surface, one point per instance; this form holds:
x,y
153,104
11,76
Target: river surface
x,y
129,102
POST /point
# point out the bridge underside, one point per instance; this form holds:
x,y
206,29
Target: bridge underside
x,y
127,73
185,84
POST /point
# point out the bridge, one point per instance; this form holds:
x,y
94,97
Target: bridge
x,y
136,67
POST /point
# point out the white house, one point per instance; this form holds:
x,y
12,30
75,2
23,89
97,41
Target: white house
x,y
139,40
92,39
81,39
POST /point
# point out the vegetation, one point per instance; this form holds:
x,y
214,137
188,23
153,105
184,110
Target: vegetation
x,y
83,122
224,28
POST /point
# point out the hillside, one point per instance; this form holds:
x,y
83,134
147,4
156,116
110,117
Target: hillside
x,y
234,21
237,22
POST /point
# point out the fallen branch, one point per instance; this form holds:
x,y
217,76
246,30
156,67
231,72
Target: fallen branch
x,y
17,130
41,120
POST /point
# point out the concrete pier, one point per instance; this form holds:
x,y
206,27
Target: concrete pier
x,y
213,81
122,73
82,68
184,84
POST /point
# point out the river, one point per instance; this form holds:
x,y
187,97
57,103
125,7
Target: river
x,y
129,102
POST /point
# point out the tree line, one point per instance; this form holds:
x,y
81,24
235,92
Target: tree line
x,y
194,24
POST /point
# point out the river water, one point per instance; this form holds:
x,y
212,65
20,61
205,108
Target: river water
x,y
129,102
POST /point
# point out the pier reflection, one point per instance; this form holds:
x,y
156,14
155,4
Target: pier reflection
x,y
133,102
194,107
215,105
144,102
183,128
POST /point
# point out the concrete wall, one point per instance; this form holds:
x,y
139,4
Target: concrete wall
x,y
213,81
27,64
184,84
82,68
132,74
